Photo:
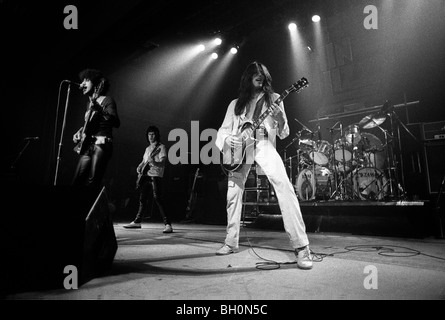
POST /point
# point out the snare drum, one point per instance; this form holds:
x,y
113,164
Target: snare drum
x,y
310,186
321,153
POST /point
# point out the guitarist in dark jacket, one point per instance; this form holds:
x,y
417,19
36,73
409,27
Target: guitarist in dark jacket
x,y
150,172
95,139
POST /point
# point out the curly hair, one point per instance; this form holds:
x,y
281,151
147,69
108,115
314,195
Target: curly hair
x,y
155,130
95,76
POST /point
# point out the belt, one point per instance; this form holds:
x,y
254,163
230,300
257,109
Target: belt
x,y
102,139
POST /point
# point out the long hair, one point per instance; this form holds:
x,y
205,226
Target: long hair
x,y
155,130
95,76
246,86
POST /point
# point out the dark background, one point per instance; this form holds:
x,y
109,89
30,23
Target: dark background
x,y
137,44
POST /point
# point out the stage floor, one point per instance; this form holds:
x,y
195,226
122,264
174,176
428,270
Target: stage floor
x,y
183,266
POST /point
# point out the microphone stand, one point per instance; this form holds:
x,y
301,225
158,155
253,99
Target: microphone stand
x,y
59,152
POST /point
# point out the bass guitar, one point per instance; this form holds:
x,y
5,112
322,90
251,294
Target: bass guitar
x,y
85,138
146,167
232,158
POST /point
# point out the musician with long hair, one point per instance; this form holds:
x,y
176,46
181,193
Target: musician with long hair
x,y
150,173
256,95
95,138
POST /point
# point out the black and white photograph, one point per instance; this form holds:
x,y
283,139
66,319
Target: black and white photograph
x,y
223,158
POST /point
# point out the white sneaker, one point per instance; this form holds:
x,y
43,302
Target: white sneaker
x,y
225,249
304,258
168,229
133,225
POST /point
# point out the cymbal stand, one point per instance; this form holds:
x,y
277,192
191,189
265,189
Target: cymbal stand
x,y
333,162
297,137
340,187
400,123
390,162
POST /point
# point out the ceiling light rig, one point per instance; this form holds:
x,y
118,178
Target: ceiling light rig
x,y
292,26
316,18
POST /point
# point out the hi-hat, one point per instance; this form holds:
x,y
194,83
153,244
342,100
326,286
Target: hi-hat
x,y
372,121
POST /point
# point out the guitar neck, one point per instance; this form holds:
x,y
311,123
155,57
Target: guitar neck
x,y
266,113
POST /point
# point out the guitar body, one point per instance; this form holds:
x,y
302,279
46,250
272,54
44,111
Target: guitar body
x,y
146,167
85,139
232,158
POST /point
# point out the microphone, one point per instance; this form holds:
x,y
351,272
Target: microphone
x,y
72,82
31,138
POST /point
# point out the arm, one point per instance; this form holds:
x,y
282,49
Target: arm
x,y
226,128
280,119
160,158
108,110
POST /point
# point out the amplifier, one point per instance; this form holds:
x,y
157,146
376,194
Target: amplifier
x,y
433,130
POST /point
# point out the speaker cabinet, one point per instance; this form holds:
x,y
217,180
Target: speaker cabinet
x,y
435,164
48,228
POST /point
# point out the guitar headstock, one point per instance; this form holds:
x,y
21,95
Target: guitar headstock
x,y
300,84
100,87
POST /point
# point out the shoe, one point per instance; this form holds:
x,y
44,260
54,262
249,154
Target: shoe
x,y
304,258
168,229
133,225
225,250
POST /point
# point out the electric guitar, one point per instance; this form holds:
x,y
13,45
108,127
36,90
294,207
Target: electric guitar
x,y
232,158
85,138
147,166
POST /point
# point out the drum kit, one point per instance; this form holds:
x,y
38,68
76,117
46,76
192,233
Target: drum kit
x,y
357,165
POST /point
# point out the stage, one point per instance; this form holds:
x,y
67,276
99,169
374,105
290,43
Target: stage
x,y
182,266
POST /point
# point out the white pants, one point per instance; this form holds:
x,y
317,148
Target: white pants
x,y
267,157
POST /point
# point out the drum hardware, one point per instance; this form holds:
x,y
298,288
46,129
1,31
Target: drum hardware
x,y
297,137
389,109
339,155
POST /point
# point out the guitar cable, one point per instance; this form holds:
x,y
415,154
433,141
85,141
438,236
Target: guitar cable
x,y
268,264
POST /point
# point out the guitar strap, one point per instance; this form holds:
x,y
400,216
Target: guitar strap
x,y
258,108
158,144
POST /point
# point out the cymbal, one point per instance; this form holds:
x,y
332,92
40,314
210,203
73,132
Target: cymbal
x,y
372,120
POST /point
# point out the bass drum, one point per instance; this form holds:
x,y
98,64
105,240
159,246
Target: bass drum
x,y
370,183
310,186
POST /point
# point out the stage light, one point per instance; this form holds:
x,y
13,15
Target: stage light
x,y
218,41
292,26
201,48
234,50
316,18
214,56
